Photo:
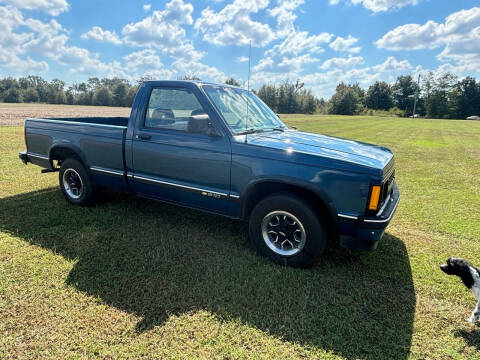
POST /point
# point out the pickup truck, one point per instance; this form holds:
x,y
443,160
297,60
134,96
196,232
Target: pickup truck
x,y
220,149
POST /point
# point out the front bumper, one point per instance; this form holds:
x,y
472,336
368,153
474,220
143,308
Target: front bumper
x,y
364,233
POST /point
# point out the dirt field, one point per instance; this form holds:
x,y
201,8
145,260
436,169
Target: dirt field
x,y
15,114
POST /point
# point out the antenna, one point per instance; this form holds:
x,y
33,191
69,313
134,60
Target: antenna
x,y
248,88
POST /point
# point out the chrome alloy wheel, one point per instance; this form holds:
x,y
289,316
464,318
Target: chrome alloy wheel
x,y
283,233
72,182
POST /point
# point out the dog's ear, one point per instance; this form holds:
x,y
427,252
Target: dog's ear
x,y
466,276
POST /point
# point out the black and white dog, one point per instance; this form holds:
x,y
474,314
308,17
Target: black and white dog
x,y
470,277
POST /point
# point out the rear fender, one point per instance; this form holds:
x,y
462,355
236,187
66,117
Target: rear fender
x,y
62,150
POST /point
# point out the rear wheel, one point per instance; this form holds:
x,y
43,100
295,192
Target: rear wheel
x,y
75,182
285,228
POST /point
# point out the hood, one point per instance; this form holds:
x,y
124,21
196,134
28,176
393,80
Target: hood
x,y
360,153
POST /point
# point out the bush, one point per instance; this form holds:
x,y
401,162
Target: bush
x,y
395,111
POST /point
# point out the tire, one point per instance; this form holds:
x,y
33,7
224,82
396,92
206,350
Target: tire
x,y
279,218
75,183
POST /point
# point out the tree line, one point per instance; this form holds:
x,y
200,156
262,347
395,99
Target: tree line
x,y
439,96
95,91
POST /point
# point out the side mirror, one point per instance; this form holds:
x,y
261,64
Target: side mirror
x,y
201,124
212,130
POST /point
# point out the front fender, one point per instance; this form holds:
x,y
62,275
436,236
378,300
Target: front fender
x,y
289,181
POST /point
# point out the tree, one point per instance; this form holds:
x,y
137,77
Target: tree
x,y
346,100
70,98
403,92
268,94
307,103
120,94
379,96
93,84
131,96
30,95
189,76
232,81
468,97
57,85
12,96
60,98
8,83
441,101
84,98
287,101
102,97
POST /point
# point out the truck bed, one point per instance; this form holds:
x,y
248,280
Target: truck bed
x,y
98,141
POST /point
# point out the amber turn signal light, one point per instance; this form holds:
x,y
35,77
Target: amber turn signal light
x,y
374,197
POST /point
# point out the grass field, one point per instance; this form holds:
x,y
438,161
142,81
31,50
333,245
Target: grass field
x,y
130,278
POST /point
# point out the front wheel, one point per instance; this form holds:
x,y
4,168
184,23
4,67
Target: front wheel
x,y
75,182
285,228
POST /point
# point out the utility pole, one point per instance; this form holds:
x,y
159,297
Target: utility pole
x,y
416,96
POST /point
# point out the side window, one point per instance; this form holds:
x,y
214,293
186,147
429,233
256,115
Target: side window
x,y
172,109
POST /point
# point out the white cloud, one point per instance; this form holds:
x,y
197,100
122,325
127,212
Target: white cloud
x,y
163,30
299,41
284,12
411,37
288,58
345,44
341,63
48,40
460,23
204,72
333,2
241,59
233,25
459,35
146,7
284,65
145,59
383,5
147,63
51,7
11,42
392,64
97,33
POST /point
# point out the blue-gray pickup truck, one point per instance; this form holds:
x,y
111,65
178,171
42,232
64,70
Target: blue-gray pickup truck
x,y
220,149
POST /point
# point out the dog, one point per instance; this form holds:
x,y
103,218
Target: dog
x,y
470,277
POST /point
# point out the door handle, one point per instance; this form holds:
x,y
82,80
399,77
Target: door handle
x,y
144,136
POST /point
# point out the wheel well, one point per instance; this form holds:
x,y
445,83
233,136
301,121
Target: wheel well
x,y
267,188
60,154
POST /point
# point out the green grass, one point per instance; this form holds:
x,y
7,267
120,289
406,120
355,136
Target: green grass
x,y
130,278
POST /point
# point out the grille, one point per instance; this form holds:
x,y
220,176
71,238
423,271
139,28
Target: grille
x,y
387,188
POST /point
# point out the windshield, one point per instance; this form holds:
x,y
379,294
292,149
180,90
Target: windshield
x,y
232,104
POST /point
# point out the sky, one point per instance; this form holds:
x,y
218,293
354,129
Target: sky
x,y
320,42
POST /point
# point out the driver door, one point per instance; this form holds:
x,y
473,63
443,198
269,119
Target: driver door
x,y
175,159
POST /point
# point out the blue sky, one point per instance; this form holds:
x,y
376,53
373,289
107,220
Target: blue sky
x,y
320,42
